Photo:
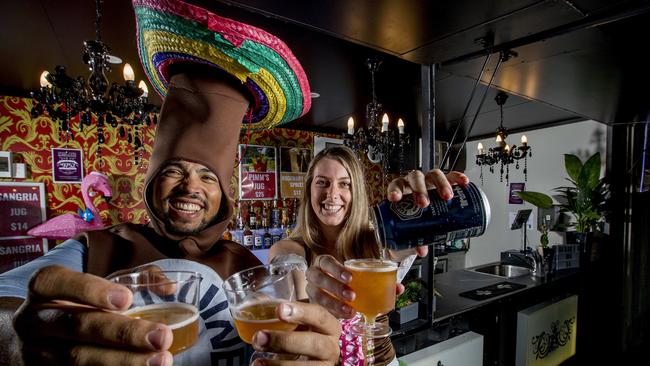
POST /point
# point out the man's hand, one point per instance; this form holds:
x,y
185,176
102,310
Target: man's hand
x,y
419,183
316,340
70,318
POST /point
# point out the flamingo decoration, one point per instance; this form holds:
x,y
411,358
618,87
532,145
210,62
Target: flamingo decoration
x,y
68,225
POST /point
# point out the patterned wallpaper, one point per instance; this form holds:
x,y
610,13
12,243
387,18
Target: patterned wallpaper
x,y
31,140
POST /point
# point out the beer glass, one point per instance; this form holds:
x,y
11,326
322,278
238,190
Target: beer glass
x,y
167,297
253,296
373,281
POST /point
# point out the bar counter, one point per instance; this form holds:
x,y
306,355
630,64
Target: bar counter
x,y
493,318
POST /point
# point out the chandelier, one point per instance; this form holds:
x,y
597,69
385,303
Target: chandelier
x,y
64,98
376,140
504,154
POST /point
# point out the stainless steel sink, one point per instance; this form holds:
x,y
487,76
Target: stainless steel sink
x,y
502,270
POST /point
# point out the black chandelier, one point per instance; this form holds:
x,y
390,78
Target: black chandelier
x,y
503,154
63,97
376,140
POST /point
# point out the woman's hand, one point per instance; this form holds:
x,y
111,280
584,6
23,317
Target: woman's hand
x,y
327,285
69,318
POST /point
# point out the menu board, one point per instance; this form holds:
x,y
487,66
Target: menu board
x,y
293,169
257,172
22,206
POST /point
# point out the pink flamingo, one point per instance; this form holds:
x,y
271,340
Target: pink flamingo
x,y
68,225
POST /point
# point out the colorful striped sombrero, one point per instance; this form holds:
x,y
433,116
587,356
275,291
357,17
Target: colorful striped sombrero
x,y
171,31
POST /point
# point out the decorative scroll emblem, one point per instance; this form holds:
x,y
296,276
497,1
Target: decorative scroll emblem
x,y
406,209
545,343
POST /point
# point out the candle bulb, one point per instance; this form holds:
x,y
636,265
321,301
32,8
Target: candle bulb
x,y
350,126
400,126
480,148
524,140
43,80
507,149
499,139
143,87
384,123
128,73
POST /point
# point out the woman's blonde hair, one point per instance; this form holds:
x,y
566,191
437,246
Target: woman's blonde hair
x,y
355,240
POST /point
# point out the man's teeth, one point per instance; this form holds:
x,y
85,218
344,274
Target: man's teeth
x,y
190,207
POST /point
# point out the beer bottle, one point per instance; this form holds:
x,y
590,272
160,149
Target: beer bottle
x,y
248,237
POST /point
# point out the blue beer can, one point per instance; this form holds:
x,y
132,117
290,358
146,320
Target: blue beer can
x,y
403,225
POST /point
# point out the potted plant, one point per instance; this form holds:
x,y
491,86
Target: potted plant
x,y
585,199
407,304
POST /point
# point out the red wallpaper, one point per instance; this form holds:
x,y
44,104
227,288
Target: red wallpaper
x,y
31,141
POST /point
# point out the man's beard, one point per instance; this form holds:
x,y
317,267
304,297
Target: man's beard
x,y
181,231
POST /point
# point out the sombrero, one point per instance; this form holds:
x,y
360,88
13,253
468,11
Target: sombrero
x,y
171,31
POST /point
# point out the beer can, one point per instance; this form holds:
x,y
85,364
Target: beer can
x,y
402,225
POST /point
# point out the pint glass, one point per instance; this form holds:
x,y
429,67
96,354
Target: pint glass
x,y
167,297
373,281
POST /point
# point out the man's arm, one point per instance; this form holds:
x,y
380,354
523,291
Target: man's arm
x,y
9,345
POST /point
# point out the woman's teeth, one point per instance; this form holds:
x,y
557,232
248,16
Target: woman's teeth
x,y
189,207
332,209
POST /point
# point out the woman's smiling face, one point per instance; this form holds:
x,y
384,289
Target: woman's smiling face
x,y
331,194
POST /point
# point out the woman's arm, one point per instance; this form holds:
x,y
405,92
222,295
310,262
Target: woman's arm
x,y
291,251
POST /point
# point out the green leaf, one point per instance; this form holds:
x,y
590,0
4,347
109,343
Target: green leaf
x,y
536,198
573,166
543,239
591,171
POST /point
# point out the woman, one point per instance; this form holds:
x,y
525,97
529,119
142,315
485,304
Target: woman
x,y
333,225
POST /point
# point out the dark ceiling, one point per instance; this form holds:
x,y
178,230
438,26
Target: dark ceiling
x,y
582,59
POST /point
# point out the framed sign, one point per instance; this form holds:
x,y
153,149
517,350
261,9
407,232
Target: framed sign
x,y
257,172
67,165
293,169
321,143
22,206
514,188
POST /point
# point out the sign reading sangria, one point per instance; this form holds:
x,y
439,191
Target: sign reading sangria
x,y
257,172
22,206
67,165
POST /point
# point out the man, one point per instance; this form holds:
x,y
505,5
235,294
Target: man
x,y
63,309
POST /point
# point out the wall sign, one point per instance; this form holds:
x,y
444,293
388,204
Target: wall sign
x,y
67,165
514,188
22,206
293,168
257,172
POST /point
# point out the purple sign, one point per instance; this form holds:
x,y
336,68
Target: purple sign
x,y
67,165
514,188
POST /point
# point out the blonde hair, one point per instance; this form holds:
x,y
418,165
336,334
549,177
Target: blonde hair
x,y
356,239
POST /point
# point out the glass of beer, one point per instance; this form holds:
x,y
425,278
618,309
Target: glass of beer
x,y
253,297
373,281
167,297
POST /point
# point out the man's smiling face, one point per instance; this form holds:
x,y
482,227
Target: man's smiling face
x,y
186,197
